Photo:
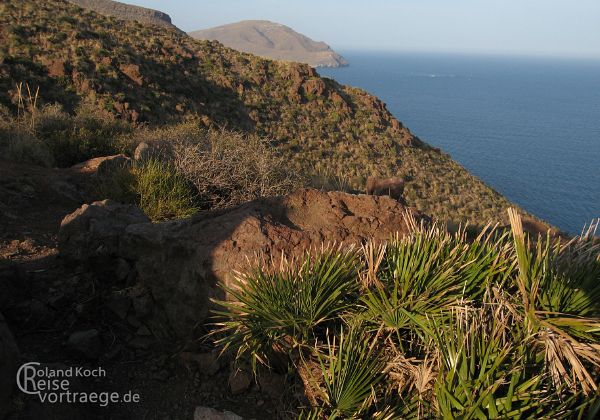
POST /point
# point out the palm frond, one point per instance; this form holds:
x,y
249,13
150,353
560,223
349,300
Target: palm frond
x,y
559,296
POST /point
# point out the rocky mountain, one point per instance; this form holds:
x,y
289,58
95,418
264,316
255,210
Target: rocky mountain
x,y
147,73
126,11
272,40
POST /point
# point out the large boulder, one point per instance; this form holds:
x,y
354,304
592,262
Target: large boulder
x,y
9,362
94,231
179,263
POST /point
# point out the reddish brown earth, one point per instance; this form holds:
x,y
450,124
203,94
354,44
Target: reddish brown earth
x,y
45,301
176,266
46,297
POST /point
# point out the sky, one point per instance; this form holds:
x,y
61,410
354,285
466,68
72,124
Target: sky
x,y
569,28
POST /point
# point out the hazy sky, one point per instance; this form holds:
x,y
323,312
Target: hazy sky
x,y
546,27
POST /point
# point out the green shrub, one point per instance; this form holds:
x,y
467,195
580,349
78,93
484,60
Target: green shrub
x,y
163,193
155,187
280,310
444,327
430,271
350,370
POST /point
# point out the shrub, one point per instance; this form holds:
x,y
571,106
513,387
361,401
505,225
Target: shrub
x,y
229,168
281,309
49,136
444,327
350,370
18,144
155,187
226,168
88,134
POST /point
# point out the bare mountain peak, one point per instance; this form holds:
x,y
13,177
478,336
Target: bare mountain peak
x,y
272,40
126,11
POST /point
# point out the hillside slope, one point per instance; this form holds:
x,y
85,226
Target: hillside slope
x,y
272,40
153,74
126,11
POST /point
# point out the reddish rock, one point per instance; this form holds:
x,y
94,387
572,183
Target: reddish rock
x,y
133,72
239,381
94,231
102,166
56,68
181,262
315,87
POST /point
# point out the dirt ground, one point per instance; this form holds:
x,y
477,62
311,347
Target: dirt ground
x,y
46,301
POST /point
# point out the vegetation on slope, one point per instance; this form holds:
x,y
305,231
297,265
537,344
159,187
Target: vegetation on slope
x,y
158,75
188,167
431,325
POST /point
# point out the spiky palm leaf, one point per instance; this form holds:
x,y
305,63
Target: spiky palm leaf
x,y
280,309
486,374
351,368
430,271
559,297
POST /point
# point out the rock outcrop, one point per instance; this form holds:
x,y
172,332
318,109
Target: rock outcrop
x,y
179,263
126,12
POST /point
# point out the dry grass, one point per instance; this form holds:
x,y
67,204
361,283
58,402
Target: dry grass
x,y
229,168
338,135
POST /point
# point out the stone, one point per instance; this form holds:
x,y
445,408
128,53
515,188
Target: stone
x,y
179,264
87,344
208,363
207,413
102,166
122,269
314,87
272,384
394,187
94,230
56,68
133,72
142,152
239,381
140,342
144,331
9,363
119,305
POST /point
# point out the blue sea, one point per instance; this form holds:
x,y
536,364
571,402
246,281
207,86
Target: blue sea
x,y
529,127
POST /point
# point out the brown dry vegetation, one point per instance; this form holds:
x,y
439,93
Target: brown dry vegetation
x,y
144,73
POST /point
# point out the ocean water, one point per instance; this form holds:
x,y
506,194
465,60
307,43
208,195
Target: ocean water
x,y
529,127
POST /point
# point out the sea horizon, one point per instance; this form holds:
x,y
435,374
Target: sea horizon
x,y
528,126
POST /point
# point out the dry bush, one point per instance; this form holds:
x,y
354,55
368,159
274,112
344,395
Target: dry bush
x,y
18,141
325,179
18,144
49,136
87,134
227,168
